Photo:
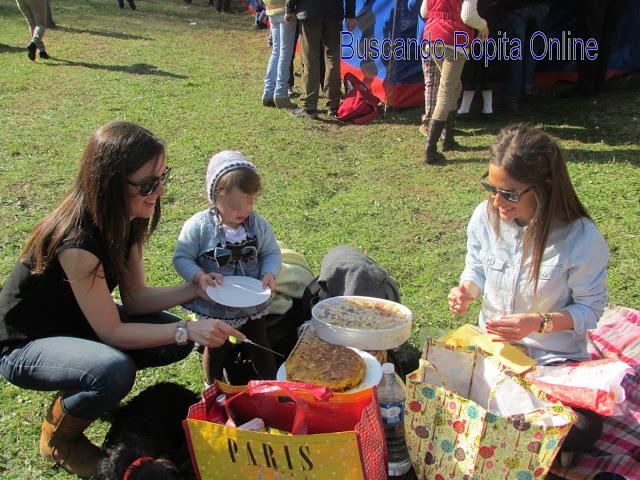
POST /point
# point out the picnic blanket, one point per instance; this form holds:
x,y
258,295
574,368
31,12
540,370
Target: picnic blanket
x,y
618,449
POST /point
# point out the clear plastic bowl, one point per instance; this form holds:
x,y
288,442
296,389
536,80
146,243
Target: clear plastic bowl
x,y
363,338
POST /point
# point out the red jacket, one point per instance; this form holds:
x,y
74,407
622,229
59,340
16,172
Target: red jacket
x,y
444,20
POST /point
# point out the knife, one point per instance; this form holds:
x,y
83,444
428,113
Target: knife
x,y
233,339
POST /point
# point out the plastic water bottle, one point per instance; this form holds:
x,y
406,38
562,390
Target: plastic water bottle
x,y
391,396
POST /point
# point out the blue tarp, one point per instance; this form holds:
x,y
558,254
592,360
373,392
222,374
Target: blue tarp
x,y
399,82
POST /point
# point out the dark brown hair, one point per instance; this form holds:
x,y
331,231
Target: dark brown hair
x,y
532,157
99,198
245,179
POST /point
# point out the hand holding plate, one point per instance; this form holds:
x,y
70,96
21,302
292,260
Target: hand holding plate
x,y
203,280
269,281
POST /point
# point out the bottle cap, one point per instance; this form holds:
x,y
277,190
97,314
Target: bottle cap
x,y
388,368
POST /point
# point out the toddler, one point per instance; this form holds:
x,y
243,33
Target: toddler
x,y
229,238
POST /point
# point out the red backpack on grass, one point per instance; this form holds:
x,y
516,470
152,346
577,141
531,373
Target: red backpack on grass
x,y
359,105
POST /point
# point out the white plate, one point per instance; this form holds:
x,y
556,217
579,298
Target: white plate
x,y
372,376
239,292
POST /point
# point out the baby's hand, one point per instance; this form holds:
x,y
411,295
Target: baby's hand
x,y
203,280
269,280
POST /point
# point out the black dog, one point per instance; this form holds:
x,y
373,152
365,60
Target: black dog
x,y
146,438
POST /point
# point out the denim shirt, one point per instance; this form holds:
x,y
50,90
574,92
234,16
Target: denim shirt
x,y
198,237
572,277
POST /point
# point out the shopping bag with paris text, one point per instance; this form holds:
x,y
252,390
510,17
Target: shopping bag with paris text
x,y
334,435
468,417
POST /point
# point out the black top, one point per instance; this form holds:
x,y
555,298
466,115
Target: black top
x,y
37,306
321,9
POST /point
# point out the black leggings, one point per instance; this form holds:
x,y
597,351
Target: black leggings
x,y
584,433
263,361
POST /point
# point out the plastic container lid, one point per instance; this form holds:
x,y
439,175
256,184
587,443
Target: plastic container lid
x,y
388,368
336,321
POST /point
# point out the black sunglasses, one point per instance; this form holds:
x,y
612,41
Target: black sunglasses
x,y
509,195
147,188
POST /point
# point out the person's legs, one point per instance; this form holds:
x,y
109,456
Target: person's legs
x,y
535,16
450,84
447,99
611,25
50,22
213,362
310,41
516,29
91,378
39,11
585,432
435,127
465,104
287,35
263,361
590,18
487,102
331,41
271,77
292,79
25,9
431,84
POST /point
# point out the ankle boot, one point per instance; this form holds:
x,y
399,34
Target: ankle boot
x,y
449,140
434,130
31,51
63,442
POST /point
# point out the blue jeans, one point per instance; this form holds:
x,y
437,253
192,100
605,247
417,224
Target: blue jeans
x,y
276,82
92,376
522,24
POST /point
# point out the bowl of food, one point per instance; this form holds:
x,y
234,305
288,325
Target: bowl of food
x,y
366,323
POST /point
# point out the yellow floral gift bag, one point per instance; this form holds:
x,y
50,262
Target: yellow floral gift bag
x,y
469,418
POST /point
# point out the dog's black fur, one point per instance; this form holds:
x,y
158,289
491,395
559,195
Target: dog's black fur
x,y
150,425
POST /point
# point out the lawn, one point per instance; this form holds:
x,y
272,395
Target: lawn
x,y
194,78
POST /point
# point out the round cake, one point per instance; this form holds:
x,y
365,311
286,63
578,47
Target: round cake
x,y
315,361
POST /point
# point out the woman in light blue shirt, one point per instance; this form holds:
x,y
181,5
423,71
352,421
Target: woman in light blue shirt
x,y
533,252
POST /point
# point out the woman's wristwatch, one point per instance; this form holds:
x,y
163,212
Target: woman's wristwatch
x,y
182,334
546,323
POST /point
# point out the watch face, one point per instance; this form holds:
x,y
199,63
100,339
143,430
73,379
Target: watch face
x,y
182,336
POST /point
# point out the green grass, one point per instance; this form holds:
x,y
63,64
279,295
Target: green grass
x,y
194,78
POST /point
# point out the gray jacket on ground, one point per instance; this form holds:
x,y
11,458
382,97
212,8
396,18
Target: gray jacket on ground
x,y
347,271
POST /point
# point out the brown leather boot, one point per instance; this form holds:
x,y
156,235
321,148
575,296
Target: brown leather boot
x,y
63,442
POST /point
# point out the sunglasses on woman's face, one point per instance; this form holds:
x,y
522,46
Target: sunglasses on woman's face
x,y
509,195
147,188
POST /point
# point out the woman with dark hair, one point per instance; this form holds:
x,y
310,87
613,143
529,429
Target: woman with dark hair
x,y
59,326
533,252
